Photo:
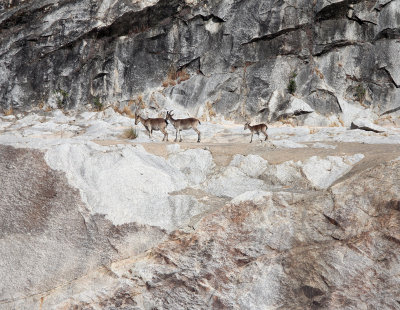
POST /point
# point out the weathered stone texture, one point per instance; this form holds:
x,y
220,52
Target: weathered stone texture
x,y
285,250
296,235
318,251
47,235
232,54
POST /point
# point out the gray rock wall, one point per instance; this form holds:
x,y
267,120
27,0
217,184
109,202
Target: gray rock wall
x,y
230,54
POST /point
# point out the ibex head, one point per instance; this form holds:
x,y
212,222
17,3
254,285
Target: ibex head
x,y
246,125
136,118
169,114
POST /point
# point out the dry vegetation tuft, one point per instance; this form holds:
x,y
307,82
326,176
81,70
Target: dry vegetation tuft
x,y
130,133
9,111
171,77
210,109
318,73
138,102
286,120
116,109
175,77
154,100
128,111
182,75
41,105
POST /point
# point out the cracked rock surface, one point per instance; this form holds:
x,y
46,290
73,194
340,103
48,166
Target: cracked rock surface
x,y
334,249
236,57
309,219
101,224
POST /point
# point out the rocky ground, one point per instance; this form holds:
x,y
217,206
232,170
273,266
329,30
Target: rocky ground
x,y
91,220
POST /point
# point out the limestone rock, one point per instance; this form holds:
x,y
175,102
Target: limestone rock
x,y
365,124
196,164
48,236
297,107
232,182
234,56
278,250
323,172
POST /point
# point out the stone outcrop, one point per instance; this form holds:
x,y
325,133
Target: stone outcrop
x,y
85,226
365,124
88,220
234,57
335,249
48,236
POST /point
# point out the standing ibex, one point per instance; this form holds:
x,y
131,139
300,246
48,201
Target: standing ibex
x,y
153,124
256,129
183,124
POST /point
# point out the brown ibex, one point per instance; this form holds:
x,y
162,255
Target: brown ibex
x,y
184,124
153,124
257,129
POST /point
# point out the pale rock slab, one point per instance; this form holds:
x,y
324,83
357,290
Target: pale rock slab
x,y
285,174
195,164
26,121
251,165
297,107
323,172
352,112
366,124
232,182
257,196
126,184
59,117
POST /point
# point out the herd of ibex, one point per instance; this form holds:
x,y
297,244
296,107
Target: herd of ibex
x,y
160,124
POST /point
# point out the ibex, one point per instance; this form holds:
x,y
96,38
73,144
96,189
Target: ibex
x,y
184,124
256,129
153,124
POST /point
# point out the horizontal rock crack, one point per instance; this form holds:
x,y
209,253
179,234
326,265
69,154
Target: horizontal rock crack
x,y
272,36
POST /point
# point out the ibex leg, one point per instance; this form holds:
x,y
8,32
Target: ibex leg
x,y
164,131
198,134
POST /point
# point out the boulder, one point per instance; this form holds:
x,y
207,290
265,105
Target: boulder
x,y
365,124
323,172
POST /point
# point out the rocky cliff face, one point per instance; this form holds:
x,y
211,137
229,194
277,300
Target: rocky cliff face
x,y
306,220
233,57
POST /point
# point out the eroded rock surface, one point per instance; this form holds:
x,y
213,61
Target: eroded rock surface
x,y
48,237
83,226
234,58
90,221
330,250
